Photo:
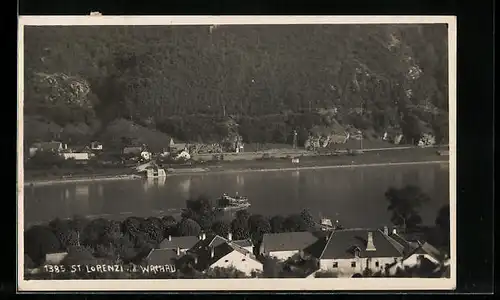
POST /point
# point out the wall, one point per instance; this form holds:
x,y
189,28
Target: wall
x,y
346,270
411,261
283,255
239,261
250,155
76,156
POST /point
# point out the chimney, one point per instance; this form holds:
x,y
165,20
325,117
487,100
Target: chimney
x,y
169,237
212,252
200,236
229,236
203,236
386,230
178,251
196,260
369,244
394,231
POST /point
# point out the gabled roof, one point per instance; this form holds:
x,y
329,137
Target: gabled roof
x,y
162,257
205,260
244,243
211,240
287,241
428,249
183,242
341,243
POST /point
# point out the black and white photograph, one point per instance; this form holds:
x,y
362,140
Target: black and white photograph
x,y
236,153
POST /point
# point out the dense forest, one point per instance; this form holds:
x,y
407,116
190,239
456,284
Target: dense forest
x,y
200,83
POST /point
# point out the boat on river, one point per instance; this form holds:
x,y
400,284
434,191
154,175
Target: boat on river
x,y
237,199
232,203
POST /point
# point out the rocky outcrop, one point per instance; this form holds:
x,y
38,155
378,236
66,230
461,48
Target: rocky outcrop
x,y
62,89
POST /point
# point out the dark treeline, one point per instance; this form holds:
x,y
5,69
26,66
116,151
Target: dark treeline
x,y
186,81
129,240
103,241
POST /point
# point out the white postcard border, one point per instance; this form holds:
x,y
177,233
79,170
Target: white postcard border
x,y
325,284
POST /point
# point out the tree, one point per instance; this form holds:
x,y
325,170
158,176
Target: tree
x,y
306,215
188,227
95,232
170,225
221,228
258,226
65,233
295,223
79,256
277,224
231,272
443,223
39,241
200,210
404,204
239,225
153,228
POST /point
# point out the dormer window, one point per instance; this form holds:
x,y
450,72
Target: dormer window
x,y
356,251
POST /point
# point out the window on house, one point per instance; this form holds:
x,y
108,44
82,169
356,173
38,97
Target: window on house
x,y
376,264
243,259
353,264
226,260
335,264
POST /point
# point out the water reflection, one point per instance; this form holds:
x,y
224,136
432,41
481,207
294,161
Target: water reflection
x,y
240,180
357,198
185,187
151,183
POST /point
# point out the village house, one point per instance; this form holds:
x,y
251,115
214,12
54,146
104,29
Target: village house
x,y
55,258
349,252
174,147
423,255
96,146
139,151
287,244
164,257
213,251
183,243
79,156
54,147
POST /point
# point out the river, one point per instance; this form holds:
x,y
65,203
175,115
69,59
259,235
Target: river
x,y
354,196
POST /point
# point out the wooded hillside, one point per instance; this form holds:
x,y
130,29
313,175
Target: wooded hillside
x,y
186,81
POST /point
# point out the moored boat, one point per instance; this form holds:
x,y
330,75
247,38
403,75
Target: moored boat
x,y
233,207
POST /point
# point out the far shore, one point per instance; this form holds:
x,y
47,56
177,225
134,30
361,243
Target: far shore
x,y
271,167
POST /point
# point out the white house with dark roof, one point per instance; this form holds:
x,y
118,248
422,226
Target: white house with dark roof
x,y
216,251
350,252
287,244
423,254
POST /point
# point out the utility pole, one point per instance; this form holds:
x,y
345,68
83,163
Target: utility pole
x,y
294,139
361,140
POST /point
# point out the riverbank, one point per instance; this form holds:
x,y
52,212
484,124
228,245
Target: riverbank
x,y
392,157
80,179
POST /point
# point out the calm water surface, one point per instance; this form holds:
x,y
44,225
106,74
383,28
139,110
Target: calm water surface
x,y
354,196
